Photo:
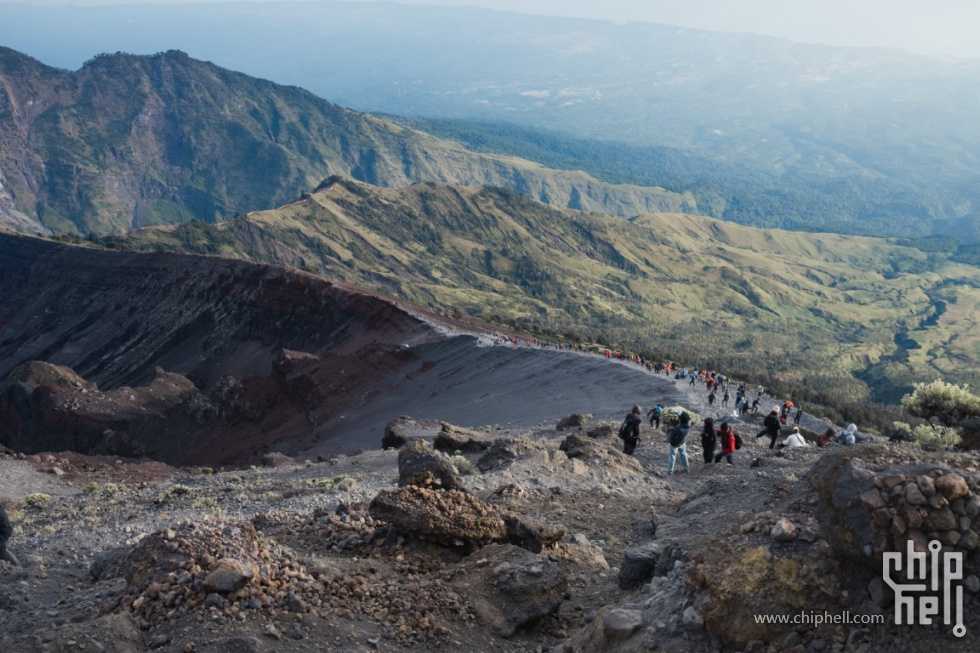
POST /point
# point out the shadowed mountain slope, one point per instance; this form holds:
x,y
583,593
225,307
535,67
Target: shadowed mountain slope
x,y
279,359
129,141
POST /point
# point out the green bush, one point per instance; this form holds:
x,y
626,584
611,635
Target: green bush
x,y
37,499
464,466
936,438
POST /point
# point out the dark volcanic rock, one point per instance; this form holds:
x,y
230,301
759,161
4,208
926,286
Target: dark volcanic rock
x,y
601,431
573,421
405,429
46,407
512,588
454,438
521,533
290,350
500,454
639,565
421,466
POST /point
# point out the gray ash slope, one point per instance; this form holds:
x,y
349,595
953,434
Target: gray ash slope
x,y
114,318
470,384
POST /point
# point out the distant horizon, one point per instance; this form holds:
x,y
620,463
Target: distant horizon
x,y
942,28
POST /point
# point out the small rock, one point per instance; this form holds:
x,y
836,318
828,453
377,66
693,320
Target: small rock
x,y
881,596
581,539
57,471
914,495
952,486
792,639
215,600
620,624
639,565
272,631
692,619
228,576
783,530
160,640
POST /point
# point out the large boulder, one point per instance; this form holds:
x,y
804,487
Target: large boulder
x,y
511,588
447,517
454,438
639,565
601,431
295,371
596,452
405,429
502,453
421,466
573,421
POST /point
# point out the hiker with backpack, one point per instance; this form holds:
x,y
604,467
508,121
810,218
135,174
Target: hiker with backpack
x,y
654,415
848,436
725,397
798,416
629,432
708,439
678,443
771,428
729,444
711,398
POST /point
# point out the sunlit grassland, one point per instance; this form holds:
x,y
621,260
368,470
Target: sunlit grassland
x,y
809,311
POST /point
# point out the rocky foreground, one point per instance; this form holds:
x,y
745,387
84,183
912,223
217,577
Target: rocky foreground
x,y
486,540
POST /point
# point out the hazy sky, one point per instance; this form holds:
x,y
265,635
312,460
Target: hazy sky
x,y
934,26
930,26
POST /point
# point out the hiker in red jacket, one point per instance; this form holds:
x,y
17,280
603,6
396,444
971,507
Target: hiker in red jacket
x,y
727,436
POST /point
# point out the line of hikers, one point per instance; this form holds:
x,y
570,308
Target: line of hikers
x,y
730,441
725,435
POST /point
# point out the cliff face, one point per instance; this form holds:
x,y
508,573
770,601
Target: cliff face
x,y
131,141
116,318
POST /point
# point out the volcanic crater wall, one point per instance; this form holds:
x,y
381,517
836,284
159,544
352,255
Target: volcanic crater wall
x,y
113,317
270,352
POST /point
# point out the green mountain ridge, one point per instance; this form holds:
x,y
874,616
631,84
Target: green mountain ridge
x,y
808,310
129,141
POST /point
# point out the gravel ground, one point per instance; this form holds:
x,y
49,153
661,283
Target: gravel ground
x,y
96,508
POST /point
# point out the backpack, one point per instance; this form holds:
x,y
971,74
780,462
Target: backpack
x,y
738,441
677,436
624,430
